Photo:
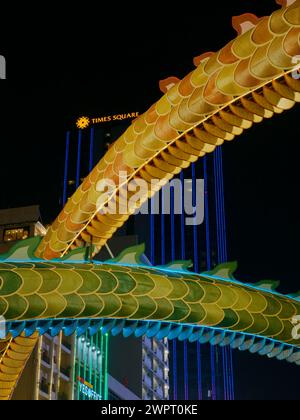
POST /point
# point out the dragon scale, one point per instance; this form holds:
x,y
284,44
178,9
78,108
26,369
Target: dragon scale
x,y
247,81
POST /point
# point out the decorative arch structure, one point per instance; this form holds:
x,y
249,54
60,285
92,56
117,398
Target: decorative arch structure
x,y
250,79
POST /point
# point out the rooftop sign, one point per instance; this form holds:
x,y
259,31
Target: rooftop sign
x,y
85,122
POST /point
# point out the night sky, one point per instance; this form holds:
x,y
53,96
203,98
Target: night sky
x,y
100,63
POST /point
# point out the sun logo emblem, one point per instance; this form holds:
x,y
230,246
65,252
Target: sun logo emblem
x,y
83,122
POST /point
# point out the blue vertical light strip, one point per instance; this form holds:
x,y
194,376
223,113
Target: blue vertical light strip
x,y
66,168
207,234
220,239
207,218
196,267
231,373
92,139
78,158
163,228
224,362
183,253
173,251
217,200
220,256
228,371
195,227
182,217
208,263
199,372
229,352
213,372
223,257
186,370
222,208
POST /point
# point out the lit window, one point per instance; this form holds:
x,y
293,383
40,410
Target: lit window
x,y
17,234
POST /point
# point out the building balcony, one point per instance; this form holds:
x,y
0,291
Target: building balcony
x,y
159,354
65,372
159,393
160,374
46,359
45,388
159,357
66,347
148,362
147,342
147,381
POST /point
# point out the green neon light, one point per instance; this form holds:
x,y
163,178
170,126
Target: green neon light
x,y
91,362
101,371
93,370
84,363
97,370
106,368
78,366
75,364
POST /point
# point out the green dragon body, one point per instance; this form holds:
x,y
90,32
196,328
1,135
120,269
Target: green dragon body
x,y
136,299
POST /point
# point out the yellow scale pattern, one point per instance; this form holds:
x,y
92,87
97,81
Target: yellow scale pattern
x,y
14,354
86,291
242,84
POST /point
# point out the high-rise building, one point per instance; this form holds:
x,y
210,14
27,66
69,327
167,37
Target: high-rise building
x,y
155,369
58,363
92,366
49,371
70,368
63,366
146,375
197,370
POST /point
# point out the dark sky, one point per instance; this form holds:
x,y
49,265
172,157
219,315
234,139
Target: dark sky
x,y
102,61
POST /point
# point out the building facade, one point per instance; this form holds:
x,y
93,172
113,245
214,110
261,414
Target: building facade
x,y
19,223
198,371
147,374
168,239
66,367
159,370
90,369
155,369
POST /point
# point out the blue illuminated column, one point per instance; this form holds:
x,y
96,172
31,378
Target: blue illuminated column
x,y
92,139
78,158
222,257
65,191
163,229
170,239
199,372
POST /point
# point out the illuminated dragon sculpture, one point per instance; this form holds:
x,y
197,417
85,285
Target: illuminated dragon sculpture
x,y
248,80
126,296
